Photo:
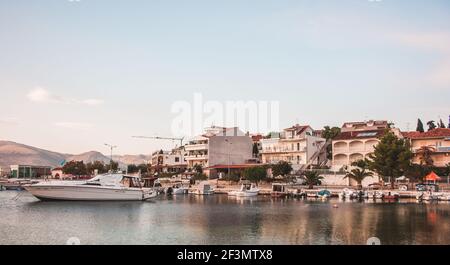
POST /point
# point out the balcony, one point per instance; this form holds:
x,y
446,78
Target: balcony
x,y
196,147
443,149
196,157
282,150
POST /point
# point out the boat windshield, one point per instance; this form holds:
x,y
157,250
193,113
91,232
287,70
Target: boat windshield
x,y
106,180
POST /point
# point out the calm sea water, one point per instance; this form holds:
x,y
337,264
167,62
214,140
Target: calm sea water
x,y
219,219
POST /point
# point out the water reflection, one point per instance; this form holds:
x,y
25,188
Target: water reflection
x,y
218,219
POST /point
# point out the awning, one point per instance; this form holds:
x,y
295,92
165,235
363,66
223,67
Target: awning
x,y
432,177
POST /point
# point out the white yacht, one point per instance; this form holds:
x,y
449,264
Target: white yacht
x,y
246,190
107,187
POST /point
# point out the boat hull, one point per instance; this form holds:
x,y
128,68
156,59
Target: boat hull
x,y
243,193
87,193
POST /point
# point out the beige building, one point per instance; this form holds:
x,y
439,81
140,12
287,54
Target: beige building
x,y
219,146
438,140
173,161
4,171
357,140
295,145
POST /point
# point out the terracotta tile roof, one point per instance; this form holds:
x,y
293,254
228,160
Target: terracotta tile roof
x,y
359,135
257,137
298,128
436,133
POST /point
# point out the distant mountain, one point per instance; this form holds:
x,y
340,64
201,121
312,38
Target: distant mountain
x,y
12,153
89,157
133,159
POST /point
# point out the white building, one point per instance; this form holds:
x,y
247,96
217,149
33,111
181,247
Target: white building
x,y
296,145
357,141
169,161
219,146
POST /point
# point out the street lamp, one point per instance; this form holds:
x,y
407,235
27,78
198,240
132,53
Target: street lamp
x,y
229,159
110,162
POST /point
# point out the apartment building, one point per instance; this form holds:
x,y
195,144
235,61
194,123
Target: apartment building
x,y
357,141
219,146
296,145
173,161
437,140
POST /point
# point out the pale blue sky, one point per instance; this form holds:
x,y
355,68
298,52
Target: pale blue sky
x,y
74,75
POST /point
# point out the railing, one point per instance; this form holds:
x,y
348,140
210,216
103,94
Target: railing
x,y
276,150
196,147
443,149
196,157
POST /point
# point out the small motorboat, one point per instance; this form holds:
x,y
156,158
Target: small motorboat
x,y
324,194
347,194
246,190
278,190
431,197
444,197
204,188
177,189
379,194
391,196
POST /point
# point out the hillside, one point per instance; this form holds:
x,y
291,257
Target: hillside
x,y
12,153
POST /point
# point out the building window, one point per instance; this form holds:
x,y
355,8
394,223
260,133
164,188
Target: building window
x,y
298,146
177,159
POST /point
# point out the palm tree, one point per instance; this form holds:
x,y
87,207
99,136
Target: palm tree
x,y
426,158
312,178
358,175
431,125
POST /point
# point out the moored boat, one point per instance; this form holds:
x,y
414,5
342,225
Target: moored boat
x,y
204,188
391,196
278,190
246,190
107,187
445,197
177,189
324,194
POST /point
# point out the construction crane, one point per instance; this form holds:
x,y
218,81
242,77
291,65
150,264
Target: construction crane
x,y
161,138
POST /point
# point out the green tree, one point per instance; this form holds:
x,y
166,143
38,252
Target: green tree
x,y
312,178
431,125
255,174
391,157
426,159
330,133
282,168
255,150
361,163
360,173
143,168
76,168
198,168
113,166
200,176
420,126
96,165
132,168
415,173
